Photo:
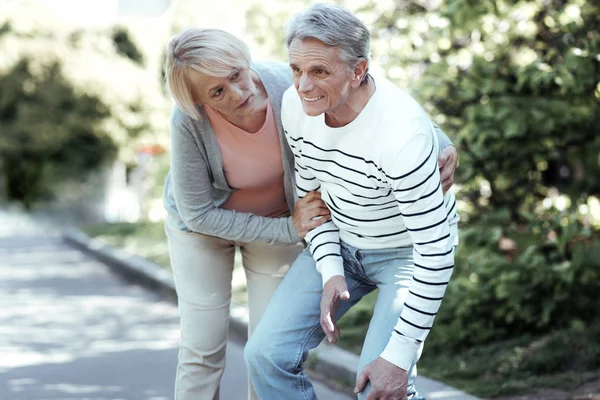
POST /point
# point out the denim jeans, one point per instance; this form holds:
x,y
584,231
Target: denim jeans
x,y
290,325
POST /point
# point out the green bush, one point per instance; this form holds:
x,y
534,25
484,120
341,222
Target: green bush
x,y
50,131
70,102
550,279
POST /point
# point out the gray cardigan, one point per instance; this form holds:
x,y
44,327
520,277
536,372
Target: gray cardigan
x,y
196,186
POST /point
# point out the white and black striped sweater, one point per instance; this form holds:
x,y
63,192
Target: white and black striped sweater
x,y
379,177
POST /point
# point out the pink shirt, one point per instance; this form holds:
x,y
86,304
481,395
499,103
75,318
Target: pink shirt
x,y
252,164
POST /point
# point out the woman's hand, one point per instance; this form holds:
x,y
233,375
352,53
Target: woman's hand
x,y
309,212
448,161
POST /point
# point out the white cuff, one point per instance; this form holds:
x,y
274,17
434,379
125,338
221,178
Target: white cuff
x,y
331,268
401,351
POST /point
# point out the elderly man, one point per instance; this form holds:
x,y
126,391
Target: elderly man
x,y
372,152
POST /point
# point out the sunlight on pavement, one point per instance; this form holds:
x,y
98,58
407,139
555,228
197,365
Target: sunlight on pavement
x,y
69,329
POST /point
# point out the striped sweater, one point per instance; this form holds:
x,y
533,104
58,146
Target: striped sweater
x,y
379,177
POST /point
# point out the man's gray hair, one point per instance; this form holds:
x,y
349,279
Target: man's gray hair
x,y
335,26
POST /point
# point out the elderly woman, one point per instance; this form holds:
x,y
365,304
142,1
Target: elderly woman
x,y
230,185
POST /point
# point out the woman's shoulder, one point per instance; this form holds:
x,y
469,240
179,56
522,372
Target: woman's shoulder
x,y
184,128
178,118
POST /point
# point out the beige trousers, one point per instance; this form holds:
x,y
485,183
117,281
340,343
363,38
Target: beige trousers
x,y
203,266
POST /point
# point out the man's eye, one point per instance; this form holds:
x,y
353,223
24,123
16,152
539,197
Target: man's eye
x,y
235,76
217,92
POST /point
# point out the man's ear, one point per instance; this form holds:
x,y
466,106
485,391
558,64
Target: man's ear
x,y
359,72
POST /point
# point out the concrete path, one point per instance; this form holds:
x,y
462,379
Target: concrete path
x,y
70,329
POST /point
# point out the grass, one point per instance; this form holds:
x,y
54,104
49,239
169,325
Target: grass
x,y
564,359
145,239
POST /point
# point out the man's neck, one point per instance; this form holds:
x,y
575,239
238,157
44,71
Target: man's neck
x,y
356,102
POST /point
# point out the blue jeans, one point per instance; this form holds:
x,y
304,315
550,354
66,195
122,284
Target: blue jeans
x,y
290,325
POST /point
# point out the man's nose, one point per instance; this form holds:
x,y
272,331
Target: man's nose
x,y
304,83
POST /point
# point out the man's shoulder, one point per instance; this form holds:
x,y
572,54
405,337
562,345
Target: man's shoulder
x,y
400,117
398,102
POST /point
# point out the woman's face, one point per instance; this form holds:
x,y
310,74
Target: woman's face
x,y
233,96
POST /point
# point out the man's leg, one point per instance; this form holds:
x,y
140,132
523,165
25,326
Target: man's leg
x,y
391,270
288,329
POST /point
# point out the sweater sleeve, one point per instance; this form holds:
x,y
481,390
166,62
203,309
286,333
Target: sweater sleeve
x,y
324,240
443,139
192,189
415,179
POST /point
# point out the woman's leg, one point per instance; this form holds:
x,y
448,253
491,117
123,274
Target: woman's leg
x,y
202,267
265,266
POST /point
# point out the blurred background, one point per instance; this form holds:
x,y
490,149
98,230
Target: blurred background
x,y
84,140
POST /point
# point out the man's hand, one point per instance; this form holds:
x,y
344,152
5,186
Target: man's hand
x,y
448,161
306,211
335,289
388,382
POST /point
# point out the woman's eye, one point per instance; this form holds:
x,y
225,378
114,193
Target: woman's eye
x,y
217,92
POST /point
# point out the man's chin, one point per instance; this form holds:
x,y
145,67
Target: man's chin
x,y
311,112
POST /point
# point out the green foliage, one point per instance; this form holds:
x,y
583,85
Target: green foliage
x,y
125,45
550,279
71,101
48,131
267,25
518,83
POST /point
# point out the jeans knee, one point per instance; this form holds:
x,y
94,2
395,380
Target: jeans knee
x,y
253,354
262,355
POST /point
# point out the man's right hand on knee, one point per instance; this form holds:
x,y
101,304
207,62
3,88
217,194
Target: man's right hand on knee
x,y
335,289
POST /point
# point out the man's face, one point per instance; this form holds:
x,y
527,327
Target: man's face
x,y
321,79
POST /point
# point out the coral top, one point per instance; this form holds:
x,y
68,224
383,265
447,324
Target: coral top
x,y
252,165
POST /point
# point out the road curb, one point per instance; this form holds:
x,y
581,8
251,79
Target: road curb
x,y
327,361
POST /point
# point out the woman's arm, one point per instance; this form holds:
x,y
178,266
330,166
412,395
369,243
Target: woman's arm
x,y
192,189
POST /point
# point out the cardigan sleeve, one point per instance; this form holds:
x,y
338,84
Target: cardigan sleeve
x,y
192,190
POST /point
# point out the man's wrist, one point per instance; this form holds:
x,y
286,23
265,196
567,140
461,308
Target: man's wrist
x,y
401,351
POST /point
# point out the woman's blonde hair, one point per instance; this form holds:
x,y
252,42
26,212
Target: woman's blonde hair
x,y
211,51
